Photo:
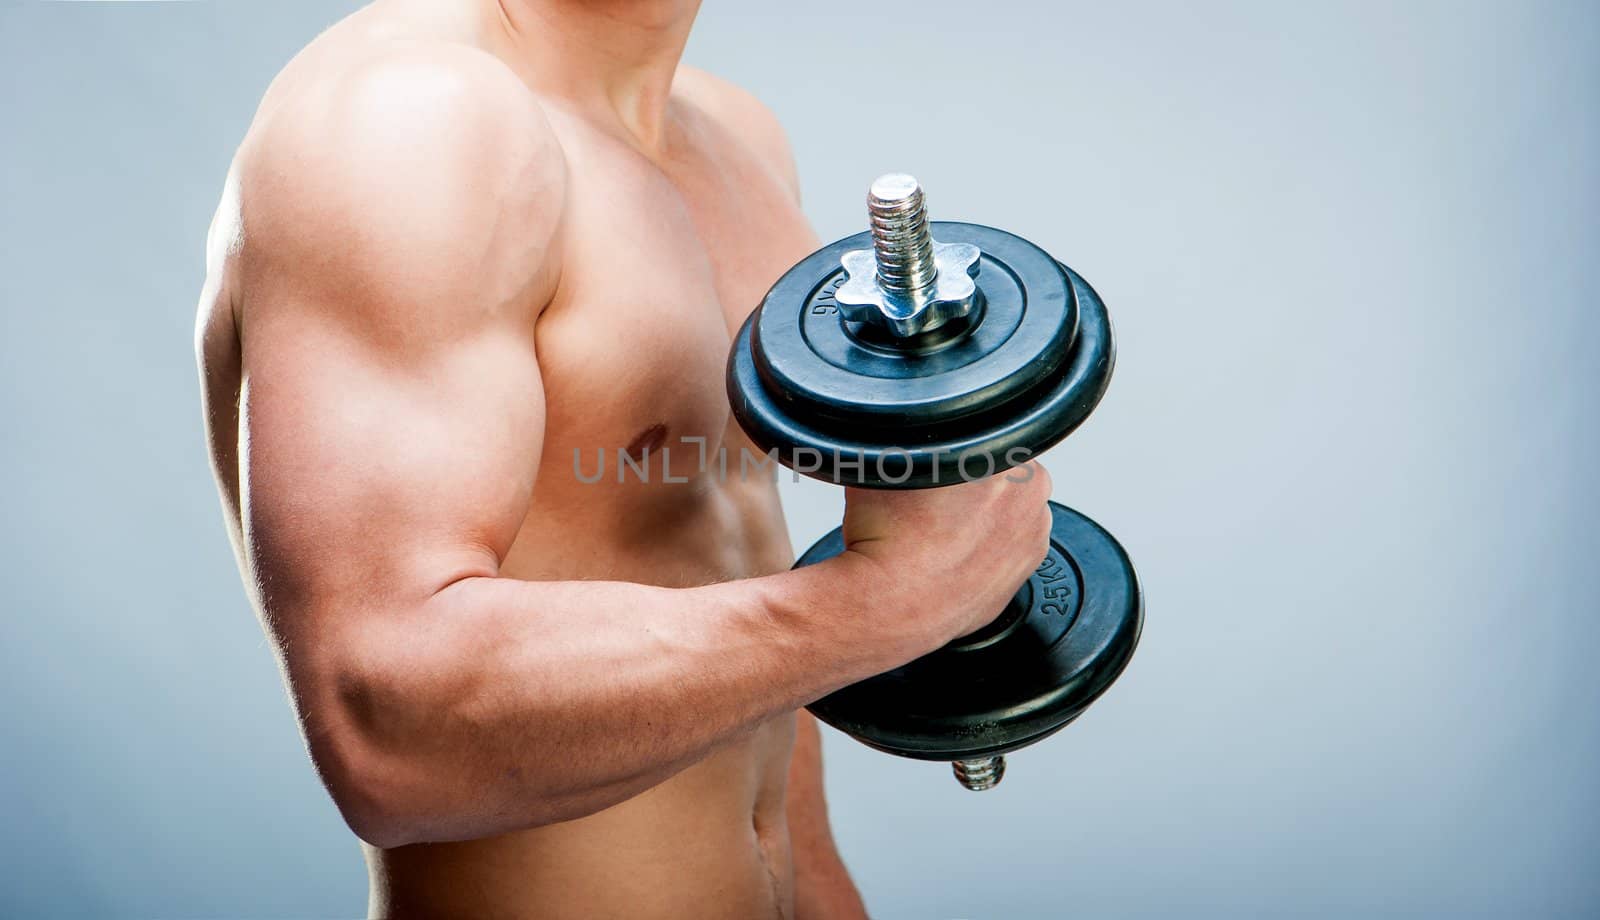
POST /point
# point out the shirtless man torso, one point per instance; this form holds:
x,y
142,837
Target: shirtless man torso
x,y
462,240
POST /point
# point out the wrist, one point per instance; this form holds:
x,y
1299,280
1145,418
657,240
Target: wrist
x,y
857,612
904,610
847,616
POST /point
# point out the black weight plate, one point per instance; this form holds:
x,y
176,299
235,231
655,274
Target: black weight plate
x,y
937,432
1060,644
836,370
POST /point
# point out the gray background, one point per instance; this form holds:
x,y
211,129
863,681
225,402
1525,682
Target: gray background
x,y
1351,251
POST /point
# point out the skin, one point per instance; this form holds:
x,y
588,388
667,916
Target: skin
x,y
461,241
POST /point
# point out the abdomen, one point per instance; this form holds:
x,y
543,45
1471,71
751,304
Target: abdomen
x,y
711,842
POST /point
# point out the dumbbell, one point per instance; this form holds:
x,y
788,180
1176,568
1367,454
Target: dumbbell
x,y
918,354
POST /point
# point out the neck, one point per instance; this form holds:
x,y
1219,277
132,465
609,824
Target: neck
x,y
617,54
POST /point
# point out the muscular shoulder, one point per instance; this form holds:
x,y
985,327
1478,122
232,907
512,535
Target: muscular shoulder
x,y
744,115
401,179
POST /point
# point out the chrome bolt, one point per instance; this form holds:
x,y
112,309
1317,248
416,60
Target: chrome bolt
x,y
981,773
898,217
907,282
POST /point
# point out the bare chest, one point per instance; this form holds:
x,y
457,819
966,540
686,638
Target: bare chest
x,y
659,270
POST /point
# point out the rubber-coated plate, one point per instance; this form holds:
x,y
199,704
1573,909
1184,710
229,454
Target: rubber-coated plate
x,y
1060,644
839,403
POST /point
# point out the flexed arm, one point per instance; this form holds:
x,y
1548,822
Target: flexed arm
x,y
390,270
402,227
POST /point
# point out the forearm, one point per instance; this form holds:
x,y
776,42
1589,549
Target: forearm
x,y
503,704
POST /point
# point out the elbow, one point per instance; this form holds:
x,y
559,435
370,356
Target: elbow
x,y
361,724
374,815
392,798
395,751
370,784
419,740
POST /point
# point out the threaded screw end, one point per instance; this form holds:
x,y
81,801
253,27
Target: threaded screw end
x,y
981,773
898,218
